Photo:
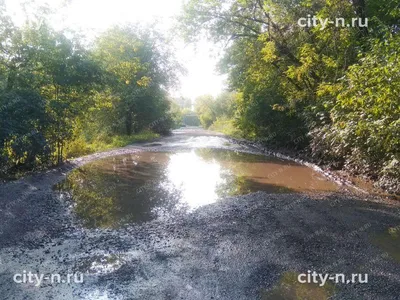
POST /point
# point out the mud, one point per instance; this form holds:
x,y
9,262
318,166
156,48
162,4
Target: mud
x,y
247,247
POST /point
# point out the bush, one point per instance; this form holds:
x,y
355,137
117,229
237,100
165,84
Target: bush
x,y
365,131
226,126
163,126
80,146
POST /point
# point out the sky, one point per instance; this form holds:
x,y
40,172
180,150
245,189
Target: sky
x,y
94,16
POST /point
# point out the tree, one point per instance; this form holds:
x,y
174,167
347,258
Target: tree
x,y
138,75
204,106
298,86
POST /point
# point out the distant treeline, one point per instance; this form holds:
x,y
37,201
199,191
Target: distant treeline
x,y
191,120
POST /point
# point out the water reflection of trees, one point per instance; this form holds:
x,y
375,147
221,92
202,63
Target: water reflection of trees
x,y
126,189
235,185
105,196
209,154
91,194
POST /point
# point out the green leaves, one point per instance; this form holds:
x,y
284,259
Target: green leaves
x,y
138,72
340,84
367,112
53,91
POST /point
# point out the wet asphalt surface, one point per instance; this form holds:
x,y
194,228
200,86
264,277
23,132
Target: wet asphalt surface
x,y
243,247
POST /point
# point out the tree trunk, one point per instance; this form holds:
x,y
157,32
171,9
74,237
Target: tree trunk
x,y
128,123
361,11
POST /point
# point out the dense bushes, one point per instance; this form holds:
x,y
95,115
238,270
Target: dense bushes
x,y
58,99
365,131
332,92
23,123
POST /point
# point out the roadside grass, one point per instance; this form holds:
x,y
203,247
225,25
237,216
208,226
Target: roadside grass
x,y
289,288
389,241
226,126
80,146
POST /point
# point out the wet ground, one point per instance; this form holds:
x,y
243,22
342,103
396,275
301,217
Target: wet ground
x,y
138,187
194,216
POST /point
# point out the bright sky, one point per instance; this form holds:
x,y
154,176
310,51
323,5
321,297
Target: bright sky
x,y
93,16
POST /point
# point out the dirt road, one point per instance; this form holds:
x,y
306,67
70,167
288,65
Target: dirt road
x,y
253,246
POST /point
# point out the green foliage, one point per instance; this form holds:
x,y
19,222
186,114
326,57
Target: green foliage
x,y
331,91
138,70
226,126
191,119
209,109
205,110
365,128
80,146
176,113
22,121
55,94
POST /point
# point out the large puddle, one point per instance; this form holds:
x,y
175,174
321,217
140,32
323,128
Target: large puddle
x,y
143,186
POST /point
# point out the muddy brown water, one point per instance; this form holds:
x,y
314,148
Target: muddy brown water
x,y
147,185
